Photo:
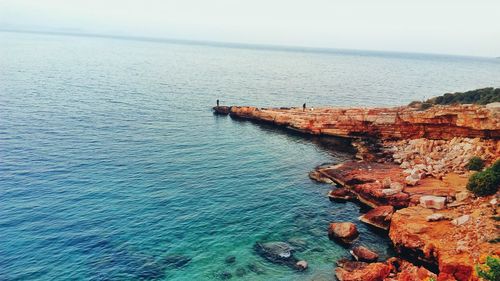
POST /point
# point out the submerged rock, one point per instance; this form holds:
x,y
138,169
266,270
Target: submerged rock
x,y
276,252
346,232
230,259
298,244
255,268
176,261
240,271
225,275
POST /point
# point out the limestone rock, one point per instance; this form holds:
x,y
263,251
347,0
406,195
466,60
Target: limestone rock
x,y
301,265
436,217
433,202
461,220
462,196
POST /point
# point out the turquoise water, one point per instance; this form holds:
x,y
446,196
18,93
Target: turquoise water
x,y
111,160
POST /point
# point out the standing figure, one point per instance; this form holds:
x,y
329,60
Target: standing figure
x,y
304,107
217,103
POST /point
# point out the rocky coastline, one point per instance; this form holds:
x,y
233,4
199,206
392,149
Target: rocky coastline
x,y
411,170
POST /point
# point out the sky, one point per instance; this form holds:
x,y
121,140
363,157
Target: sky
x,y
459,27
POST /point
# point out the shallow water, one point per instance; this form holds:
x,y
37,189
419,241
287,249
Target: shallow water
x,y
111,160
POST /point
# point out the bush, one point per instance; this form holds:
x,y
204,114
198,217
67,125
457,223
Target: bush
x,y
490,270
479,96
475,164
486,182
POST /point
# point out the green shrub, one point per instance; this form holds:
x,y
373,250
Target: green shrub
x,y
496,167
475,164
479,96
490,270
484,183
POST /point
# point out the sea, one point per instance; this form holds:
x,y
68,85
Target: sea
x,y
113,166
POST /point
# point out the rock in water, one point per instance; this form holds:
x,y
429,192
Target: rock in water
x,y
344,231
301,265
276,252
362,253
176,261
341,194
240,271
230,259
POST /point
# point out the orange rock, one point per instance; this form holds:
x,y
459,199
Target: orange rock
x,y
344,231
360,271
438,122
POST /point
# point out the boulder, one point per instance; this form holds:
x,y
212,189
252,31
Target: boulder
x,y
461,220
396,186
379,217
433,202
389,191
301,265
436,217
344,231
360,271
362,253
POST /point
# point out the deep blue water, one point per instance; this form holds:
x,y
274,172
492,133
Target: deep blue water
x,y
111,160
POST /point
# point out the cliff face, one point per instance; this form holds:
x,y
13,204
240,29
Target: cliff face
x,y
438,122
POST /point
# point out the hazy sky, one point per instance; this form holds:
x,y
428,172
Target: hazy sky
x,y
431,26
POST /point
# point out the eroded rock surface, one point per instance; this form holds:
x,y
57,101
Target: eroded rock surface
x,y
438,122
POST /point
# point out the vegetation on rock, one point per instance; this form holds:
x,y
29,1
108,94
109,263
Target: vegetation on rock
x,y
475,164
490,270
486,182
479,96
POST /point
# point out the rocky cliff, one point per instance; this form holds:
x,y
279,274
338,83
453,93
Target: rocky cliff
x,y
438,122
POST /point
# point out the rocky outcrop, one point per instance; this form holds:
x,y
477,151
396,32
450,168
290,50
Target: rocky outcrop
x,y
360,271
379,217
413,161
222,110
454,246
374,184
438,122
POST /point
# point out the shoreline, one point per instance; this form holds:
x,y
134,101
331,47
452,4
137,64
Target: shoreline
x,y
407,183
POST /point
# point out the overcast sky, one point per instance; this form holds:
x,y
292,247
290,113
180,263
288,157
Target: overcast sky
x,y
429,26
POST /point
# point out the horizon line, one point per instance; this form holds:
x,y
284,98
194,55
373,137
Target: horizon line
x,y
238,45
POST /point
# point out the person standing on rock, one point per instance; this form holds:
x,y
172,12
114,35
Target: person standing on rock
x,y
304,107
217,103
